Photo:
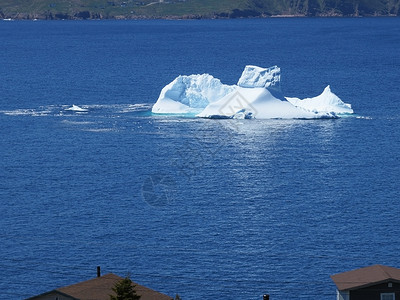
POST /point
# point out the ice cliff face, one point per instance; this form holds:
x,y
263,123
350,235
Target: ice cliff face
x,y
257,95
256,77
190,94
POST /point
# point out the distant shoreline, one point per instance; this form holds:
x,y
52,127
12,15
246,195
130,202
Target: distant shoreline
x,y
192,9
24,17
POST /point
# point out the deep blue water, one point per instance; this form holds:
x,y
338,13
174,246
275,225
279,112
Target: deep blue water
x,y
203,208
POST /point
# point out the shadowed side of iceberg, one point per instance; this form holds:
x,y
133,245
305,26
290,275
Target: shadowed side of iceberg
x,y
190,94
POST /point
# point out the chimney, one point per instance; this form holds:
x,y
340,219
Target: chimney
x,y
98,271
265,297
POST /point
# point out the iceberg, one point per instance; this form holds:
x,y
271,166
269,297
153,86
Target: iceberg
x,y
256,95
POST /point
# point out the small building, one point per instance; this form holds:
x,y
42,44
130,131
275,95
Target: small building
x,y
99,288
375,282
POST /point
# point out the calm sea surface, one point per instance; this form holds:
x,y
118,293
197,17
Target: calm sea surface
x,y
204,208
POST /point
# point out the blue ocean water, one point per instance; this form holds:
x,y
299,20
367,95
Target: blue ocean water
x,y
205,209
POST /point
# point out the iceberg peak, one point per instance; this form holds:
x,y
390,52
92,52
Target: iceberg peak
x,y
325,102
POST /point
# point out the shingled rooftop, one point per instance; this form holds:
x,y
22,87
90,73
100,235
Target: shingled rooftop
x,y
99,288
365,277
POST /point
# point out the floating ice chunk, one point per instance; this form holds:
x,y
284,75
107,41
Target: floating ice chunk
x,y
190,94
326,102
246,103
76,108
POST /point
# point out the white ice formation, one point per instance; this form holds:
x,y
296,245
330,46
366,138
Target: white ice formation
x,y
256,77
257,95
76,108
327,102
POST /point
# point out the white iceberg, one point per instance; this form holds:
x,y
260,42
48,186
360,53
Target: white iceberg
x,y
326,102
257,95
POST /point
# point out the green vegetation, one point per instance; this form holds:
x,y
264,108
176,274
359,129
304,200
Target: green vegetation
x,y
124,290
133,9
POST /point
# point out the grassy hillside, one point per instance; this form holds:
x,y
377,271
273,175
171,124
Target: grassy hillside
x,y
116,8
105,9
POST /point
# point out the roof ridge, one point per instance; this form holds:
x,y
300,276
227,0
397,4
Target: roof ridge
x,y
82,283
382,268
386,270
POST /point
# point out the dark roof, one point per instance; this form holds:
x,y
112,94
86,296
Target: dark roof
x,y
100,288
365,277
